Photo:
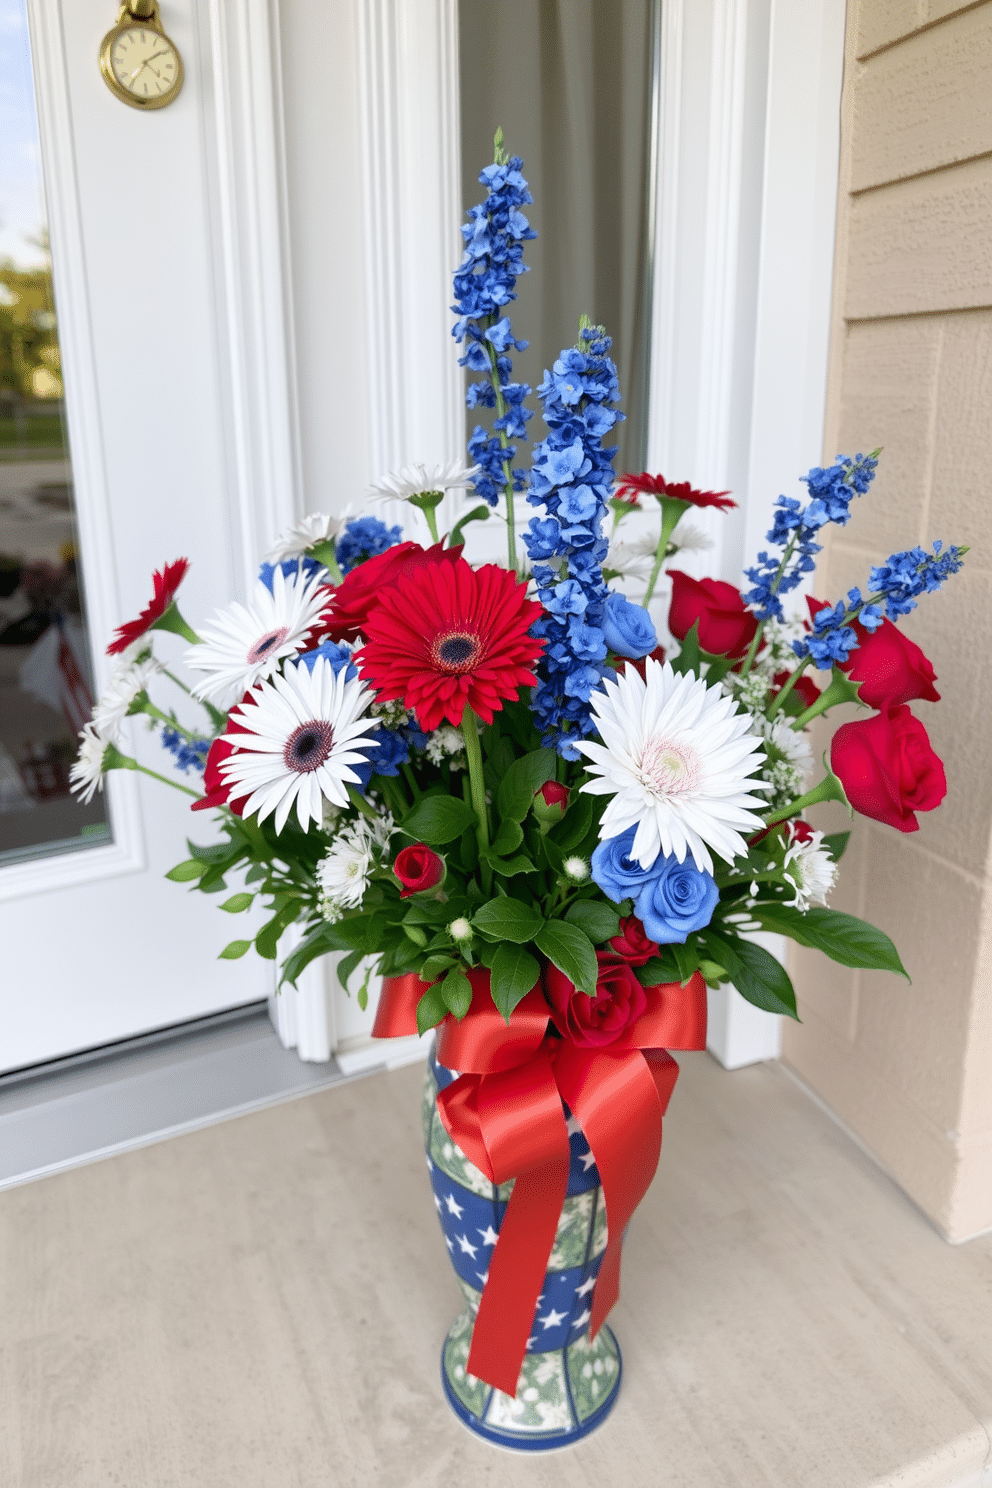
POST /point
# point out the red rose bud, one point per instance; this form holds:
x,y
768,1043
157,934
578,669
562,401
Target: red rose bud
x,y
888,769
805,688
418,869
550,803
594,1021
891,668
726,628
632,945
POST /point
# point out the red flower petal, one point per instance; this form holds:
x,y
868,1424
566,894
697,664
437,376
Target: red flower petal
x,y
656,485
166,583
362,588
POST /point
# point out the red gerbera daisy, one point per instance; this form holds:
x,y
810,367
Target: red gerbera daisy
x,y
166,583
218,787
450,636
630,486
363,587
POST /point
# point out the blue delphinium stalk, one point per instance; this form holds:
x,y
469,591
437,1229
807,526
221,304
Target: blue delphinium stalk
x,y
895,586
484,283
795,527
572,477
190,754
365,537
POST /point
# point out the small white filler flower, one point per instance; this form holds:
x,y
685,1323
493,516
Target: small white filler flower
x,y
811,868
676,758
305,731
343,873
86,775
415,480
243,644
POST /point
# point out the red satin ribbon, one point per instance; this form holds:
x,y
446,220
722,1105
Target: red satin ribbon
x,y
505,1112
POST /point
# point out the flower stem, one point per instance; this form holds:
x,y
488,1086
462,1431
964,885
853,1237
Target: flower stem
x,y
411,781
325,554
671,512
172,620
114,760
788,685
360,804
149,707
829,789
511,536
473,756
179,683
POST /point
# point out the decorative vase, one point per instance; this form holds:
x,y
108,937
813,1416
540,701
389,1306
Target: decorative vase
x,y
568,1383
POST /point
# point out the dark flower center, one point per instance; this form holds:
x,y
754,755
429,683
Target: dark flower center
x,y
308,746
456,652
265,644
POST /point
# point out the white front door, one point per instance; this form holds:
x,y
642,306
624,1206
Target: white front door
x,y
159,235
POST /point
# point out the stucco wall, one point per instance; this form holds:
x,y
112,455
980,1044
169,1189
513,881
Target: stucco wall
x,y
909,1068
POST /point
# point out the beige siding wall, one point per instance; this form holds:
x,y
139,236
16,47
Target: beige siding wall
x,y
909,1068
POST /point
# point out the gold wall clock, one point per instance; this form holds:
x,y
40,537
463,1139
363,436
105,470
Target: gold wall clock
x,y
139,63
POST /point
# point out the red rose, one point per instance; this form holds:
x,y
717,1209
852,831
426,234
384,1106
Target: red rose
x,y
596,1021
726,628
890,667
357,594
888,768
550,803
418,869
632,945
805,688
216,784
553,793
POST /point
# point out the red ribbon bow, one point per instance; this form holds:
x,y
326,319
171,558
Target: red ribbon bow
x,y
505,1112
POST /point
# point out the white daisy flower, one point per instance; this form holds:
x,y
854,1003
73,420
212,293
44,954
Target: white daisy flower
x,y
111,708
632,557
305,729
86,775
688,538
245,644
414,480
676,756
318,527
812,870
343,873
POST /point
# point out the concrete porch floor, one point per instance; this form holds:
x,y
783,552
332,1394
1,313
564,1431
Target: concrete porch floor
x,y
261,1304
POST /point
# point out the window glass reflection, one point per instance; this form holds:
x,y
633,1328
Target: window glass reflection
x,y
45,673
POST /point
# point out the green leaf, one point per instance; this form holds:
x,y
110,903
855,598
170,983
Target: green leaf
x,y
574,825
594,917
438,819
686,959
186,872
456,989
434,965
758,977
571,950
477,514
268,937
346,966
213,881
216,852
426,912
658,970
525,776
414,933
842,937
508,838
689,655
836,844
237,903
318,940
509,867
253,875
431,1008
236,949
485,951
514,972
362,932
507,919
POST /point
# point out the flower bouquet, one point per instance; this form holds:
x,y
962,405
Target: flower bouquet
x,y
548,829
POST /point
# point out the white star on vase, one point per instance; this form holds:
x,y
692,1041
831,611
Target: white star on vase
x,y
437,1204
582,1318
467,1247
483,1276
588,1160
572,1126
453,1208
489,1235
449,1242
554,1319
430,1165
531,1342
587,1286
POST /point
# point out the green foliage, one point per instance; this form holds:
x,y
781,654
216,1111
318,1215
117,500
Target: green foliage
x,y
437,820
595,918
431,1008
186,872
755,973
235,950
526,775
842,937
237,903
571,950
508,919
456,989
514,972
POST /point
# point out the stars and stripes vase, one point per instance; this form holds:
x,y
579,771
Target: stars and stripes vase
x,y
568,1383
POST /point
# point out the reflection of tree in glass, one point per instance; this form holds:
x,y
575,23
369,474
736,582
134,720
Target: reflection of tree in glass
x,y
30,363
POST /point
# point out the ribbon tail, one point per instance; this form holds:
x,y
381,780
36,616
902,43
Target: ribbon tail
x,y
516,1274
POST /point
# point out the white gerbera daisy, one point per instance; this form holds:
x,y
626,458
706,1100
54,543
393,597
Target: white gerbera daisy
x,y
86,775
414,480
343,873
632,557
112,707
305,729
688,538
676,756
318,527
811,868
244,644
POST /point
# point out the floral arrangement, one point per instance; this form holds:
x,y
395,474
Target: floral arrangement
x,y
499,768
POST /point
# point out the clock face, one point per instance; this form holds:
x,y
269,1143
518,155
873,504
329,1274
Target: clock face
x,y
145,64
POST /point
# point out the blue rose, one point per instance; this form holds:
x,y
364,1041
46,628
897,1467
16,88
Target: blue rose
x,y
618,874
628,628
678,899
